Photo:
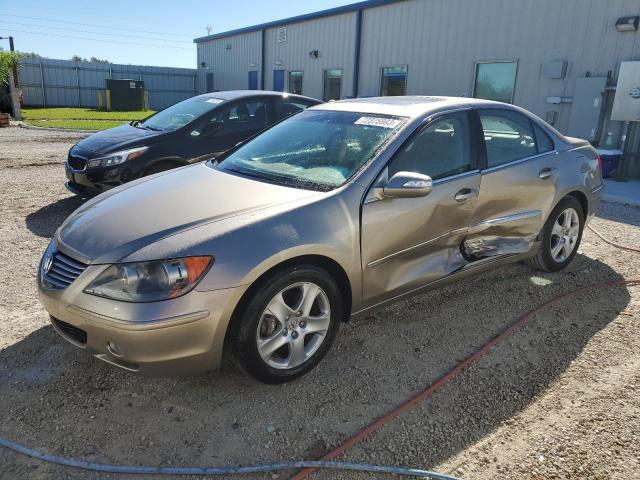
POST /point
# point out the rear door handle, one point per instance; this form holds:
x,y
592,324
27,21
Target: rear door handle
x,y
465,194
547,172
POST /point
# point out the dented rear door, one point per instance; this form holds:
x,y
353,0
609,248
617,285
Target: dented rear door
x,y
517,184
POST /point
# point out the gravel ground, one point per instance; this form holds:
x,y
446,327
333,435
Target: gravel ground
x,y
558,399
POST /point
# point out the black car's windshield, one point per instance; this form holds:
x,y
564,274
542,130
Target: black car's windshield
x,y
314,148
180,114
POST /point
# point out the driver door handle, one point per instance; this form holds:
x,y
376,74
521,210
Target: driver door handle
x,y
465,194
547,172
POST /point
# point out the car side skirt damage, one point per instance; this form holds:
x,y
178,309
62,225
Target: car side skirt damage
x,y
503,235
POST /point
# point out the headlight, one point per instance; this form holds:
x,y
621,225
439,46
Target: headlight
x,y
116,158
150,281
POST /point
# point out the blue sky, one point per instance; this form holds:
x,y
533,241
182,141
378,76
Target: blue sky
x,y
133,31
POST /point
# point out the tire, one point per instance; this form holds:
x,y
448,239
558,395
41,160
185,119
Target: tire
x,y
548,258
280,335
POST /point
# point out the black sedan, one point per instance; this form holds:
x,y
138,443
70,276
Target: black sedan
x,y
197,129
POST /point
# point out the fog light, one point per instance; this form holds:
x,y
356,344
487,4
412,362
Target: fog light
x,y
114,349
112,173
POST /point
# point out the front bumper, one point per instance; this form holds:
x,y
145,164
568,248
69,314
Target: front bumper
x,y
155,339
89,183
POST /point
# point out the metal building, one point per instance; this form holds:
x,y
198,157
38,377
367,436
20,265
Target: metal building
x,y
558,58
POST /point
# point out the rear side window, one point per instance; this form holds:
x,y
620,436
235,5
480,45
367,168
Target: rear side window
x,y
544,142
508,136
440,150
286,108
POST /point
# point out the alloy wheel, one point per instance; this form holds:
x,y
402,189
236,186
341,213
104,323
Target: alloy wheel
x,y
293,325
564,235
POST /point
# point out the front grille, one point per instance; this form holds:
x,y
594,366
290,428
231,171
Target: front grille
x,y
60,270
70,332
76,162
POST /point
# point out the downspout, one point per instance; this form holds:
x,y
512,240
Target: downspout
x,y
356,61
263,48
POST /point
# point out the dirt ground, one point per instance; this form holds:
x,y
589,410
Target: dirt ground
x,y
558,399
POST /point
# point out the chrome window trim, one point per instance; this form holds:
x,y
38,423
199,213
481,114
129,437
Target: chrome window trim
x,y
519,161
457,176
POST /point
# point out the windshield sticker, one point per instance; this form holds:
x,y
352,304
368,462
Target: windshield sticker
x,y
215,101
378,122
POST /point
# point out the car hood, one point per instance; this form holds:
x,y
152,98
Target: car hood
x,y
110,140
122,221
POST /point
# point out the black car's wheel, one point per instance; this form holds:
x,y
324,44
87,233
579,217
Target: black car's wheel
x,y
288,325
561,236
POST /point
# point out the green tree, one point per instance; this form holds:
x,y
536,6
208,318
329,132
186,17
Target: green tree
x,y
7,61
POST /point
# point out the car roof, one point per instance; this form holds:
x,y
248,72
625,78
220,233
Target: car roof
x,y
409,106
228,95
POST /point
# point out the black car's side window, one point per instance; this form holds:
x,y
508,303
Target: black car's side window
x,y
440,149
286,108
243,117
508,136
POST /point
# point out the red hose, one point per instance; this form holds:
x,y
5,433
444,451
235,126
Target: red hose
x,y
460,367
617,245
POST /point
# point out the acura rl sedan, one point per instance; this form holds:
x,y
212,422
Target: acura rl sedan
x,y
329,214
197,129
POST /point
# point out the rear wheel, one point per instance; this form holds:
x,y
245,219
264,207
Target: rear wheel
x,y
289,324
561,236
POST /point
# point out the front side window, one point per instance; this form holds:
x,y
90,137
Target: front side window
x,y
180,114
508,136
295,82
394,81
495,81
316,149
332,84
440,150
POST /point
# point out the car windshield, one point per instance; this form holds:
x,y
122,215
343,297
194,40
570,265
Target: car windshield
x,y
180,114
316,149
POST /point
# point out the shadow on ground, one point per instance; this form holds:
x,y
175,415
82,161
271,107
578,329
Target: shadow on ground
x,y
46,220
55,397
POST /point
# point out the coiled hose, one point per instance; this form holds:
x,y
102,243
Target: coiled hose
x,y
326,462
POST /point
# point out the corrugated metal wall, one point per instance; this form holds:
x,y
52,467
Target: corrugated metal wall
x,y
333,37
74,84
230,60
439,41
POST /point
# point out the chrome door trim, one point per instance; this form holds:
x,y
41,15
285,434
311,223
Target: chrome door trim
x,y
404,251
519,161
597,189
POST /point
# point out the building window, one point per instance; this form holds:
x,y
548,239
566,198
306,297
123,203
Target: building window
x,y
495,81
394,81
295,82
332,84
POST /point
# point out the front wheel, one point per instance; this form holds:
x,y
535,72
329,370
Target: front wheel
x,y
561,236
288,325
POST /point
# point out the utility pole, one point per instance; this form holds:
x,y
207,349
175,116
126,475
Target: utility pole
x,y
15,65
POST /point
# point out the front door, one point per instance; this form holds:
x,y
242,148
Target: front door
x,y
518,185
253,80
410,242
278,80
209,82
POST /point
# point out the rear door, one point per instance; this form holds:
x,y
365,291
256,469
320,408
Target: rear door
x,y
518,184
410,242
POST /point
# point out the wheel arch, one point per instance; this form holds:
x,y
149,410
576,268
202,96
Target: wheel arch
x,y
176,161
333,268
582,199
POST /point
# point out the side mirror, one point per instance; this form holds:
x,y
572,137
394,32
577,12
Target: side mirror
x,y
408,185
